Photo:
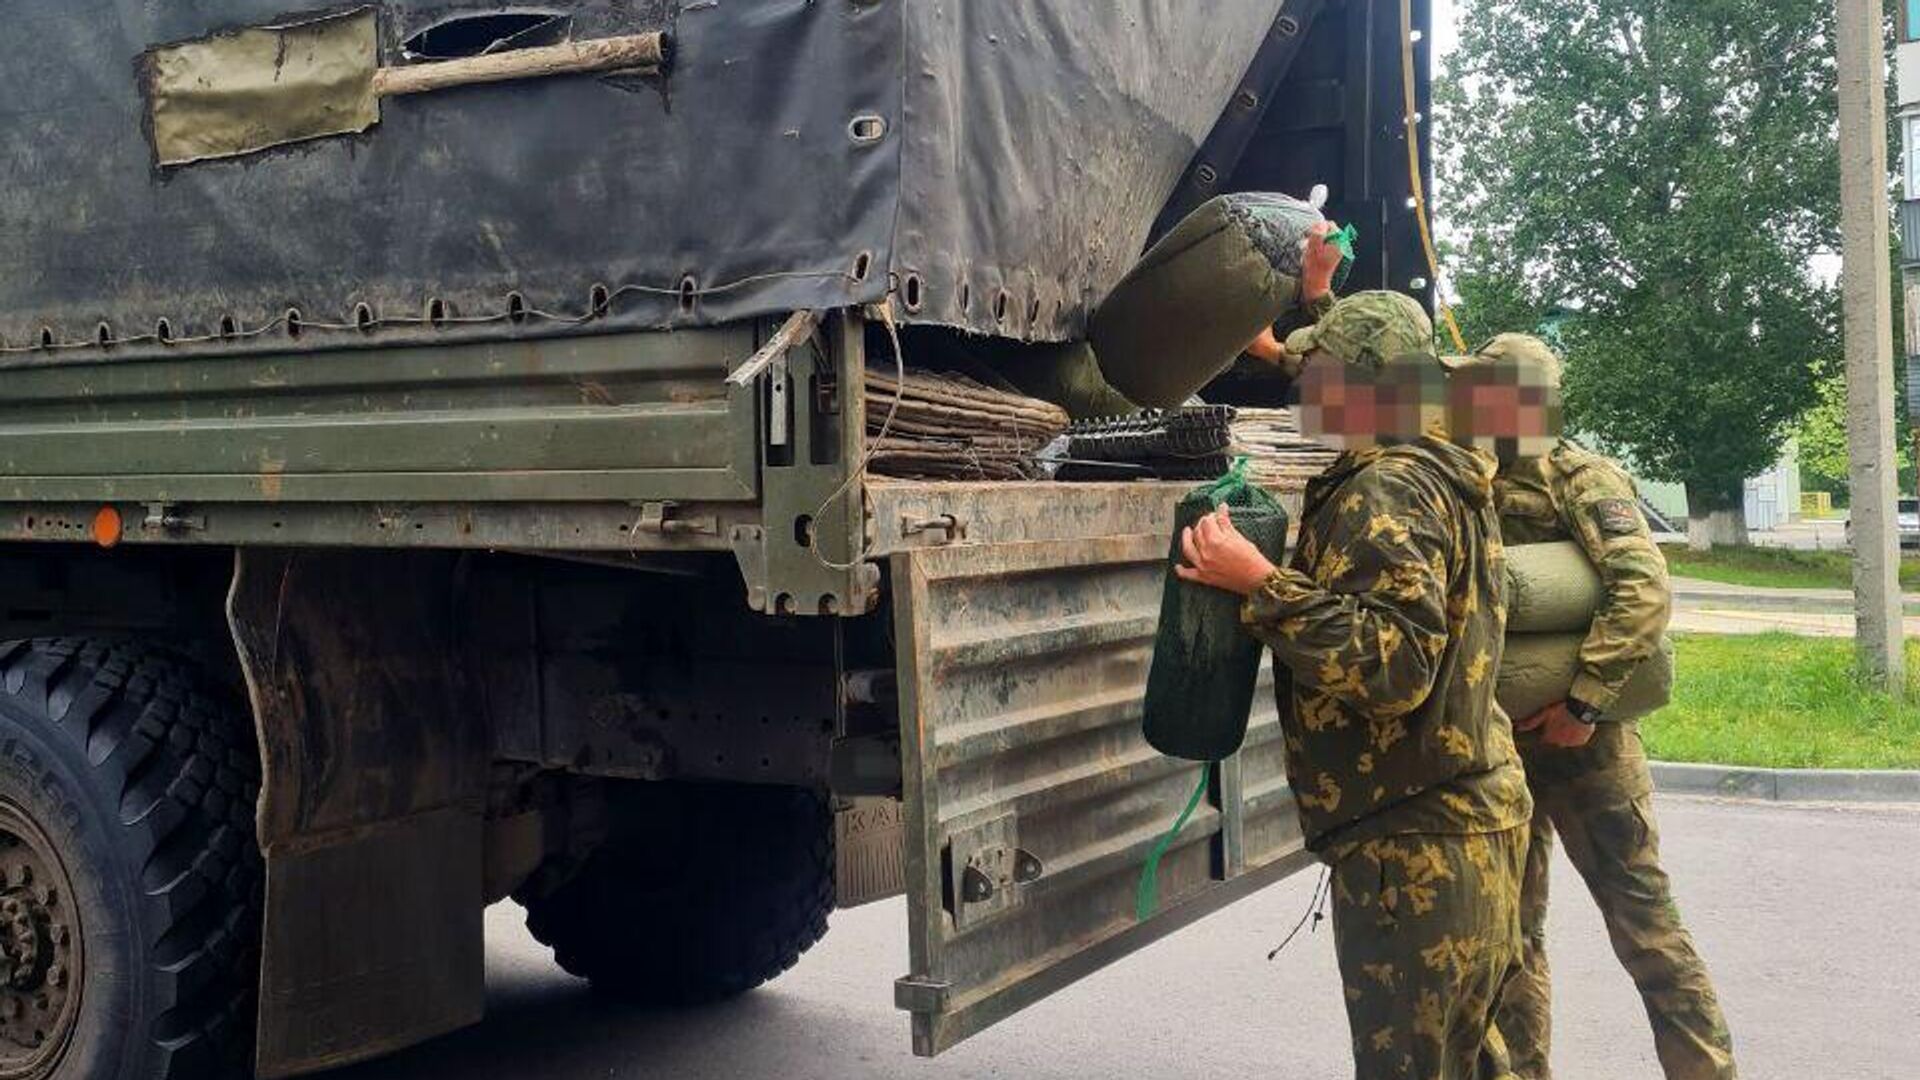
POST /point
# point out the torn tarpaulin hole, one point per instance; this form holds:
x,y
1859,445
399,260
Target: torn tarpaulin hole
x,y
480,35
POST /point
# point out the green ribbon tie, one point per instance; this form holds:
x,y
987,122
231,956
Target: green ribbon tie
x,y
1147,897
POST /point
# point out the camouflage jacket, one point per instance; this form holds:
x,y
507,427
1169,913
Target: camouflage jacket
x,y
1574,494
1388,626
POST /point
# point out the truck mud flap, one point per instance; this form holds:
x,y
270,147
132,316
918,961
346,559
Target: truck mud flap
x,y
1032,799
374,752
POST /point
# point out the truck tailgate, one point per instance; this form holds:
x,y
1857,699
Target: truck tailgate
x,y
1032,799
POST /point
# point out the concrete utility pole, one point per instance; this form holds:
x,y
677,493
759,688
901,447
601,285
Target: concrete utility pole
x,y
1866,284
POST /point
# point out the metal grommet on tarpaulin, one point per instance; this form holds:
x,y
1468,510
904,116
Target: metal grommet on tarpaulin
x,y
867,129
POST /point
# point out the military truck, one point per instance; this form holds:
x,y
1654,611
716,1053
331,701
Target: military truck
x,y
381,539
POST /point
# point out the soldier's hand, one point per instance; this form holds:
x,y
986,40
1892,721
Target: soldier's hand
x,y
1216,554
1557,727
1267,347
1321,262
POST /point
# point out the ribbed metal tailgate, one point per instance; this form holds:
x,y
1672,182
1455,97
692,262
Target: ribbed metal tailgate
x,y
1031,797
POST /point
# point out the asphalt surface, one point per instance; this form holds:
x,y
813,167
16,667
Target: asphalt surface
x,y
1808,916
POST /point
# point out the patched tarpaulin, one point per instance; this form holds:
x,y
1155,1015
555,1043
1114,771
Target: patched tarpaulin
x,y
999,163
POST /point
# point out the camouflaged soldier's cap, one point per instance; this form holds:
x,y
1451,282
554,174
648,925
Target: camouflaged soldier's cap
x,y
1526,351
1368,328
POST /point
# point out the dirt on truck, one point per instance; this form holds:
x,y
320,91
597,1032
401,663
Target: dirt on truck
x,y
381,536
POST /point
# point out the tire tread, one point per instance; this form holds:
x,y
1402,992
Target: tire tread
x,y
155,736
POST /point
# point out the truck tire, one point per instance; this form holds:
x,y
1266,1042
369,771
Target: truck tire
x,y
705,892
130,882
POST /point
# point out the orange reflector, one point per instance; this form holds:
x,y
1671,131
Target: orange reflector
x,y
106,527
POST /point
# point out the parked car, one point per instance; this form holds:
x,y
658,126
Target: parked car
x,y
1906,523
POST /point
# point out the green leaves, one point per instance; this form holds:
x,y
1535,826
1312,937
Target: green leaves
x,y
1666,169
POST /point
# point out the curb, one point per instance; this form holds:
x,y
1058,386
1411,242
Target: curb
x,y
1760,600
1787,785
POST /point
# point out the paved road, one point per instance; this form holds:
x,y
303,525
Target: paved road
x,y
1807,916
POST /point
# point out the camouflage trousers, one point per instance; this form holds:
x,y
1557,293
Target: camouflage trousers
x,y
1427,929
1599,798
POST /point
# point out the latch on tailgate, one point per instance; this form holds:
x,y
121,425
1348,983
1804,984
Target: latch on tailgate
x,y
985,864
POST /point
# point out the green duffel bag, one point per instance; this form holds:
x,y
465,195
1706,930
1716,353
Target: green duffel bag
x,y
1201,682
1551,589
1538,670
1198,297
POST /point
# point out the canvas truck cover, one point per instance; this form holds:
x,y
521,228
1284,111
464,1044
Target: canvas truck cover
x,y
999,164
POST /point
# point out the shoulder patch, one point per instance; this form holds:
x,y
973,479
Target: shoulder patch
x,y
1616,517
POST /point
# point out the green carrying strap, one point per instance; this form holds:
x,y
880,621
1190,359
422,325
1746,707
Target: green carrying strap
x,y
1146,898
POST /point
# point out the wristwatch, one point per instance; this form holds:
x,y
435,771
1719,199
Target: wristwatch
x,y
1583,712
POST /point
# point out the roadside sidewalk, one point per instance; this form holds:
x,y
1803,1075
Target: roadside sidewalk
x,y
1711,607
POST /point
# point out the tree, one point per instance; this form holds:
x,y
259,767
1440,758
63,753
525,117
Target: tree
x,y
1822,437
1666,168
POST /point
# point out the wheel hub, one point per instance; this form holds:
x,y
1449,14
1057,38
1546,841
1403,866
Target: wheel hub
x,y
40,959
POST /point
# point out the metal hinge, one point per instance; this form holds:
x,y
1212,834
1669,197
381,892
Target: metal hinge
x,y
658,519
166,517
951,526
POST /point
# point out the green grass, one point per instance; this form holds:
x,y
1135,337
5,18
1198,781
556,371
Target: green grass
x,y
1774,568
1782,701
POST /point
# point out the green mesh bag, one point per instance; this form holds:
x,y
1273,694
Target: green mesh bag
x,y
1200,686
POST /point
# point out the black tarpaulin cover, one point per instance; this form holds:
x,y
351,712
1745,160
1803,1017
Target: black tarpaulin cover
x,y
998,162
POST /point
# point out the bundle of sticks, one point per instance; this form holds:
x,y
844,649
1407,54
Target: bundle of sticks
x,y
943,426
1279,457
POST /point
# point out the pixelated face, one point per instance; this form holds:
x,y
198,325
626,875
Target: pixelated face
x,y
1511,410
1355,406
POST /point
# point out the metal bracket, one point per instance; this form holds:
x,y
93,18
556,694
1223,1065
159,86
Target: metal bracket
x,y
166,517
657,518
952,527
812,545
920,995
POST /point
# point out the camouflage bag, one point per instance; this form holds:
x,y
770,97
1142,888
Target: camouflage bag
x,y
1201,683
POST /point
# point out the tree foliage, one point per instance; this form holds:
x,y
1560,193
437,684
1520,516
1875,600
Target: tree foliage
x,y
1667,169
1821,435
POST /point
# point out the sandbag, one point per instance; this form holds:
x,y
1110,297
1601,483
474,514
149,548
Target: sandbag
x,y
1201,682
1068,375
1551,589
1538,669
1203,292
1062,373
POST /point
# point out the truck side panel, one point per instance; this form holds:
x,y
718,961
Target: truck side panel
x,y
536,421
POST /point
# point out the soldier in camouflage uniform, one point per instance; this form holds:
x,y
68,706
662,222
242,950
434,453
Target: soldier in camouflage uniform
x,y
1387,628
1588,774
